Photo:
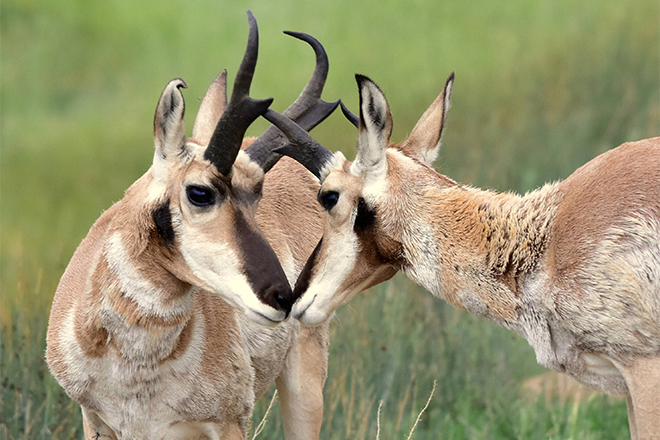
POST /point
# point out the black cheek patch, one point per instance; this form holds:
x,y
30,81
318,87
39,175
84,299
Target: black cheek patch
x,y
365,216
163,220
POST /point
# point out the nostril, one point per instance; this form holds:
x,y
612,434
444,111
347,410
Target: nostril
x,y
278,296
284,302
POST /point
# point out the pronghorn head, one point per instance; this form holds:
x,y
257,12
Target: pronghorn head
x,y
367,202
202,191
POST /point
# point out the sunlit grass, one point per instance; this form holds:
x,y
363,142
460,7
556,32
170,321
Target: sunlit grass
x,y
541,88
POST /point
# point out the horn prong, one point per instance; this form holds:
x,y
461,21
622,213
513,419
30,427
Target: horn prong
x,y
241,110
307,111
314,86
352,118
301,147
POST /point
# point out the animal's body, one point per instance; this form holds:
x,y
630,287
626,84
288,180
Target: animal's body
x,y
574,266
577,273
153,363
157,325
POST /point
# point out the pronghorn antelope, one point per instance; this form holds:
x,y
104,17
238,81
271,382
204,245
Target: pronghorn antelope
x,y
142,331
574,266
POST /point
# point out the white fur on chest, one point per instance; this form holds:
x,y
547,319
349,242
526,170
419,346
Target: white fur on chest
x,y
143,397
557,348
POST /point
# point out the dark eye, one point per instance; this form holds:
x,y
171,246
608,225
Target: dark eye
x,y
200,195
328,199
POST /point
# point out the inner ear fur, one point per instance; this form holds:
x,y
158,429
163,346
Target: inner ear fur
x,y
424,140
169,128
210,110
375,125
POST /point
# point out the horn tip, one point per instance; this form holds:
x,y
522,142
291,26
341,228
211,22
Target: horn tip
x,y
349,114
298,35
266,102
252,21
312,41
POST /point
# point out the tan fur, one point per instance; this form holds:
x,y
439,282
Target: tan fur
x,y
176,360
574,267
643,379
571,282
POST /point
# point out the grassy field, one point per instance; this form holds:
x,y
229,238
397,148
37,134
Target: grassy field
x,y
541,88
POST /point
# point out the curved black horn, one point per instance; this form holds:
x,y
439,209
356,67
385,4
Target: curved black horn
x,y
350,116
307,111
301,147
310,98
241,110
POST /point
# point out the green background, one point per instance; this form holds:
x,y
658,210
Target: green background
x,y
541,87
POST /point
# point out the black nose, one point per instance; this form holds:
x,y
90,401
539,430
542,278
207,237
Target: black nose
x,y
278,296
284,302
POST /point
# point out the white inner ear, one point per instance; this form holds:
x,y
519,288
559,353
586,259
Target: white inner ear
x,y
450,84
169,136
374,133
211,109
430,156
169,128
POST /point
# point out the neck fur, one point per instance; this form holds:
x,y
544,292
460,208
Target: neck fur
x,y
140,304
474,247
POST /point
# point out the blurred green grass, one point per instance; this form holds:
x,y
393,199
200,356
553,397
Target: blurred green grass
x,y
541,88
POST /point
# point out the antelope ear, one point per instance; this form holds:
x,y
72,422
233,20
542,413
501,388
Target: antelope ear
x,y
374,131
424,140
211,109
169,129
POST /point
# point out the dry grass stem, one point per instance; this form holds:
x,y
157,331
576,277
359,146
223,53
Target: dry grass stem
x,y
380,406
260,426
419,416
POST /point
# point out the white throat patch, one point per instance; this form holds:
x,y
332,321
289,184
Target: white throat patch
x,y
138,288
